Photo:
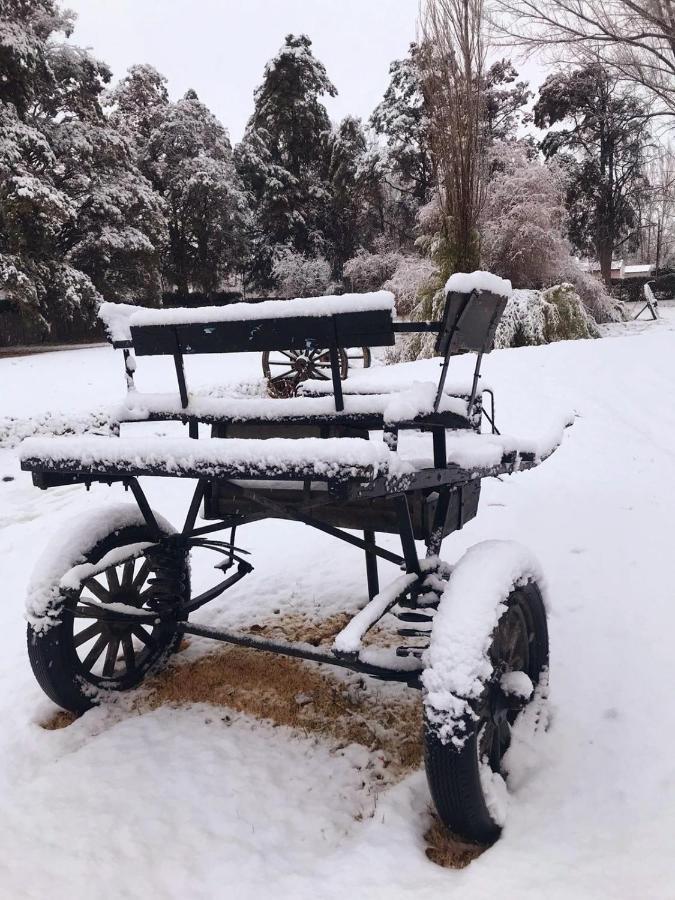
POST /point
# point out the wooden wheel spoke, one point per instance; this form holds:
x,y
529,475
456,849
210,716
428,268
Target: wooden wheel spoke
x,y
141,575
97,589
111,657
95,652
283,377
129,655
112,579
142,635
87,633
128,573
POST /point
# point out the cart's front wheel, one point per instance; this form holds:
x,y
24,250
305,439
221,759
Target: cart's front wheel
x,y
95,644
466,782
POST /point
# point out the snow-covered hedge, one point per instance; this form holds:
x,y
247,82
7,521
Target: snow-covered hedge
x,y
368,271
301,276
542,317
531,317
412,276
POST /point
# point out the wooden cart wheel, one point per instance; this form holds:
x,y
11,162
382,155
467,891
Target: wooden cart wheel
x,y
359,357
285,369
457,777
80,654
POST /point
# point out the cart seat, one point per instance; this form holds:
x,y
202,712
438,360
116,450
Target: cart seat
x,y
370,410
317,459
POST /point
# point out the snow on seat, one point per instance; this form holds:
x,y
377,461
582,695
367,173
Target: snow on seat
x,y
417,400
318,459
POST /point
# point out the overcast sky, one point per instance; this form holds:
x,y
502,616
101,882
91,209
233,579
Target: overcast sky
x,y
219,47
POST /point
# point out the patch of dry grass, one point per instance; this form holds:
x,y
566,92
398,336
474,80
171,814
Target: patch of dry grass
x,y
447,850
310,700
288,692
60,719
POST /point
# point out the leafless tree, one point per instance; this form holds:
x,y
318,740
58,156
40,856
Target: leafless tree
x,y
453,63
657,209
635,37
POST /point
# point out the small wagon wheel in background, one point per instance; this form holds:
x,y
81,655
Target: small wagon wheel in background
x,y
359,357
285,369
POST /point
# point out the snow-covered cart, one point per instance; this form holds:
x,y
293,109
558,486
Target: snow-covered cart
x,y
111,602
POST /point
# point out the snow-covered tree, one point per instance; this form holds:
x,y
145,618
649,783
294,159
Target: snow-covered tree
x,y
138,103
77,218
402,117
597,129
284,157
189,158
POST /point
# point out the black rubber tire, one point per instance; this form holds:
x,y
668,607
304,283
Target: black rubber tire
x,y
53,655
452,774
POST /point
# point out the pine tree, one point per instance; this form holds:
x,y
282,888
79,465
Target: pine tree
x,y
138,103
601,146
402,118
77,219
189,159
284,158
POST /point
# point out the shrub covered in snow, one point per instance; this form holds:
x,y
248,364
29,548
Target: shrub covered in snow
x,y
523,220
300,276
541,317
412,276
368,271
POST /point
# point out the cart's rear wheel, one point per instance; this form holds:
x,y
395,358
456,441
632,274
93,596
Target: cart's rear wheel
x,y
463,781
78,656
285,369
359,357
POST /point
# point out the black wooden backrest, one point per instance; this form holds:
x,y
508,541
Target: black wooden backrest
x,y
469,322
372,328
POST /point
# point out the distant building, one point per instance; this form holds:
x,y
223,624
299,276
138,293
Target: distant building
x,y
620,270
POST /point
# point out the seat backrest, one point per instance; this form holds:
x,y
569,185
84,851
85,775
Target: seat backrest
x,y
305,323
469,322
372,328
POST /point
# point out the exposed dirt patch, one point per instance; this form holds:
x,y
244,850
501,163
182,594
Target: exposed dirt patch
x,y
447,850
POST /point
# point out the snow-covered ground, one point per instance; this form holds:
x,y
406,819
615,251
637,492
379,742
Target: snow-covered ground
x,y
200,802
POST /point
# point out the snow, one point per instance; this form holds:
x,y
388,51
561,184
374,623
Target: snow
x,y
307,457
202,802
517,684
349,639
119,322
495,792
399,377
465,283
458,664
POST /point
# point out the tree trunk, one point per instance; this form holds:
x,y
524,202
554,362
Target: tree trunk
x,y
605,260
